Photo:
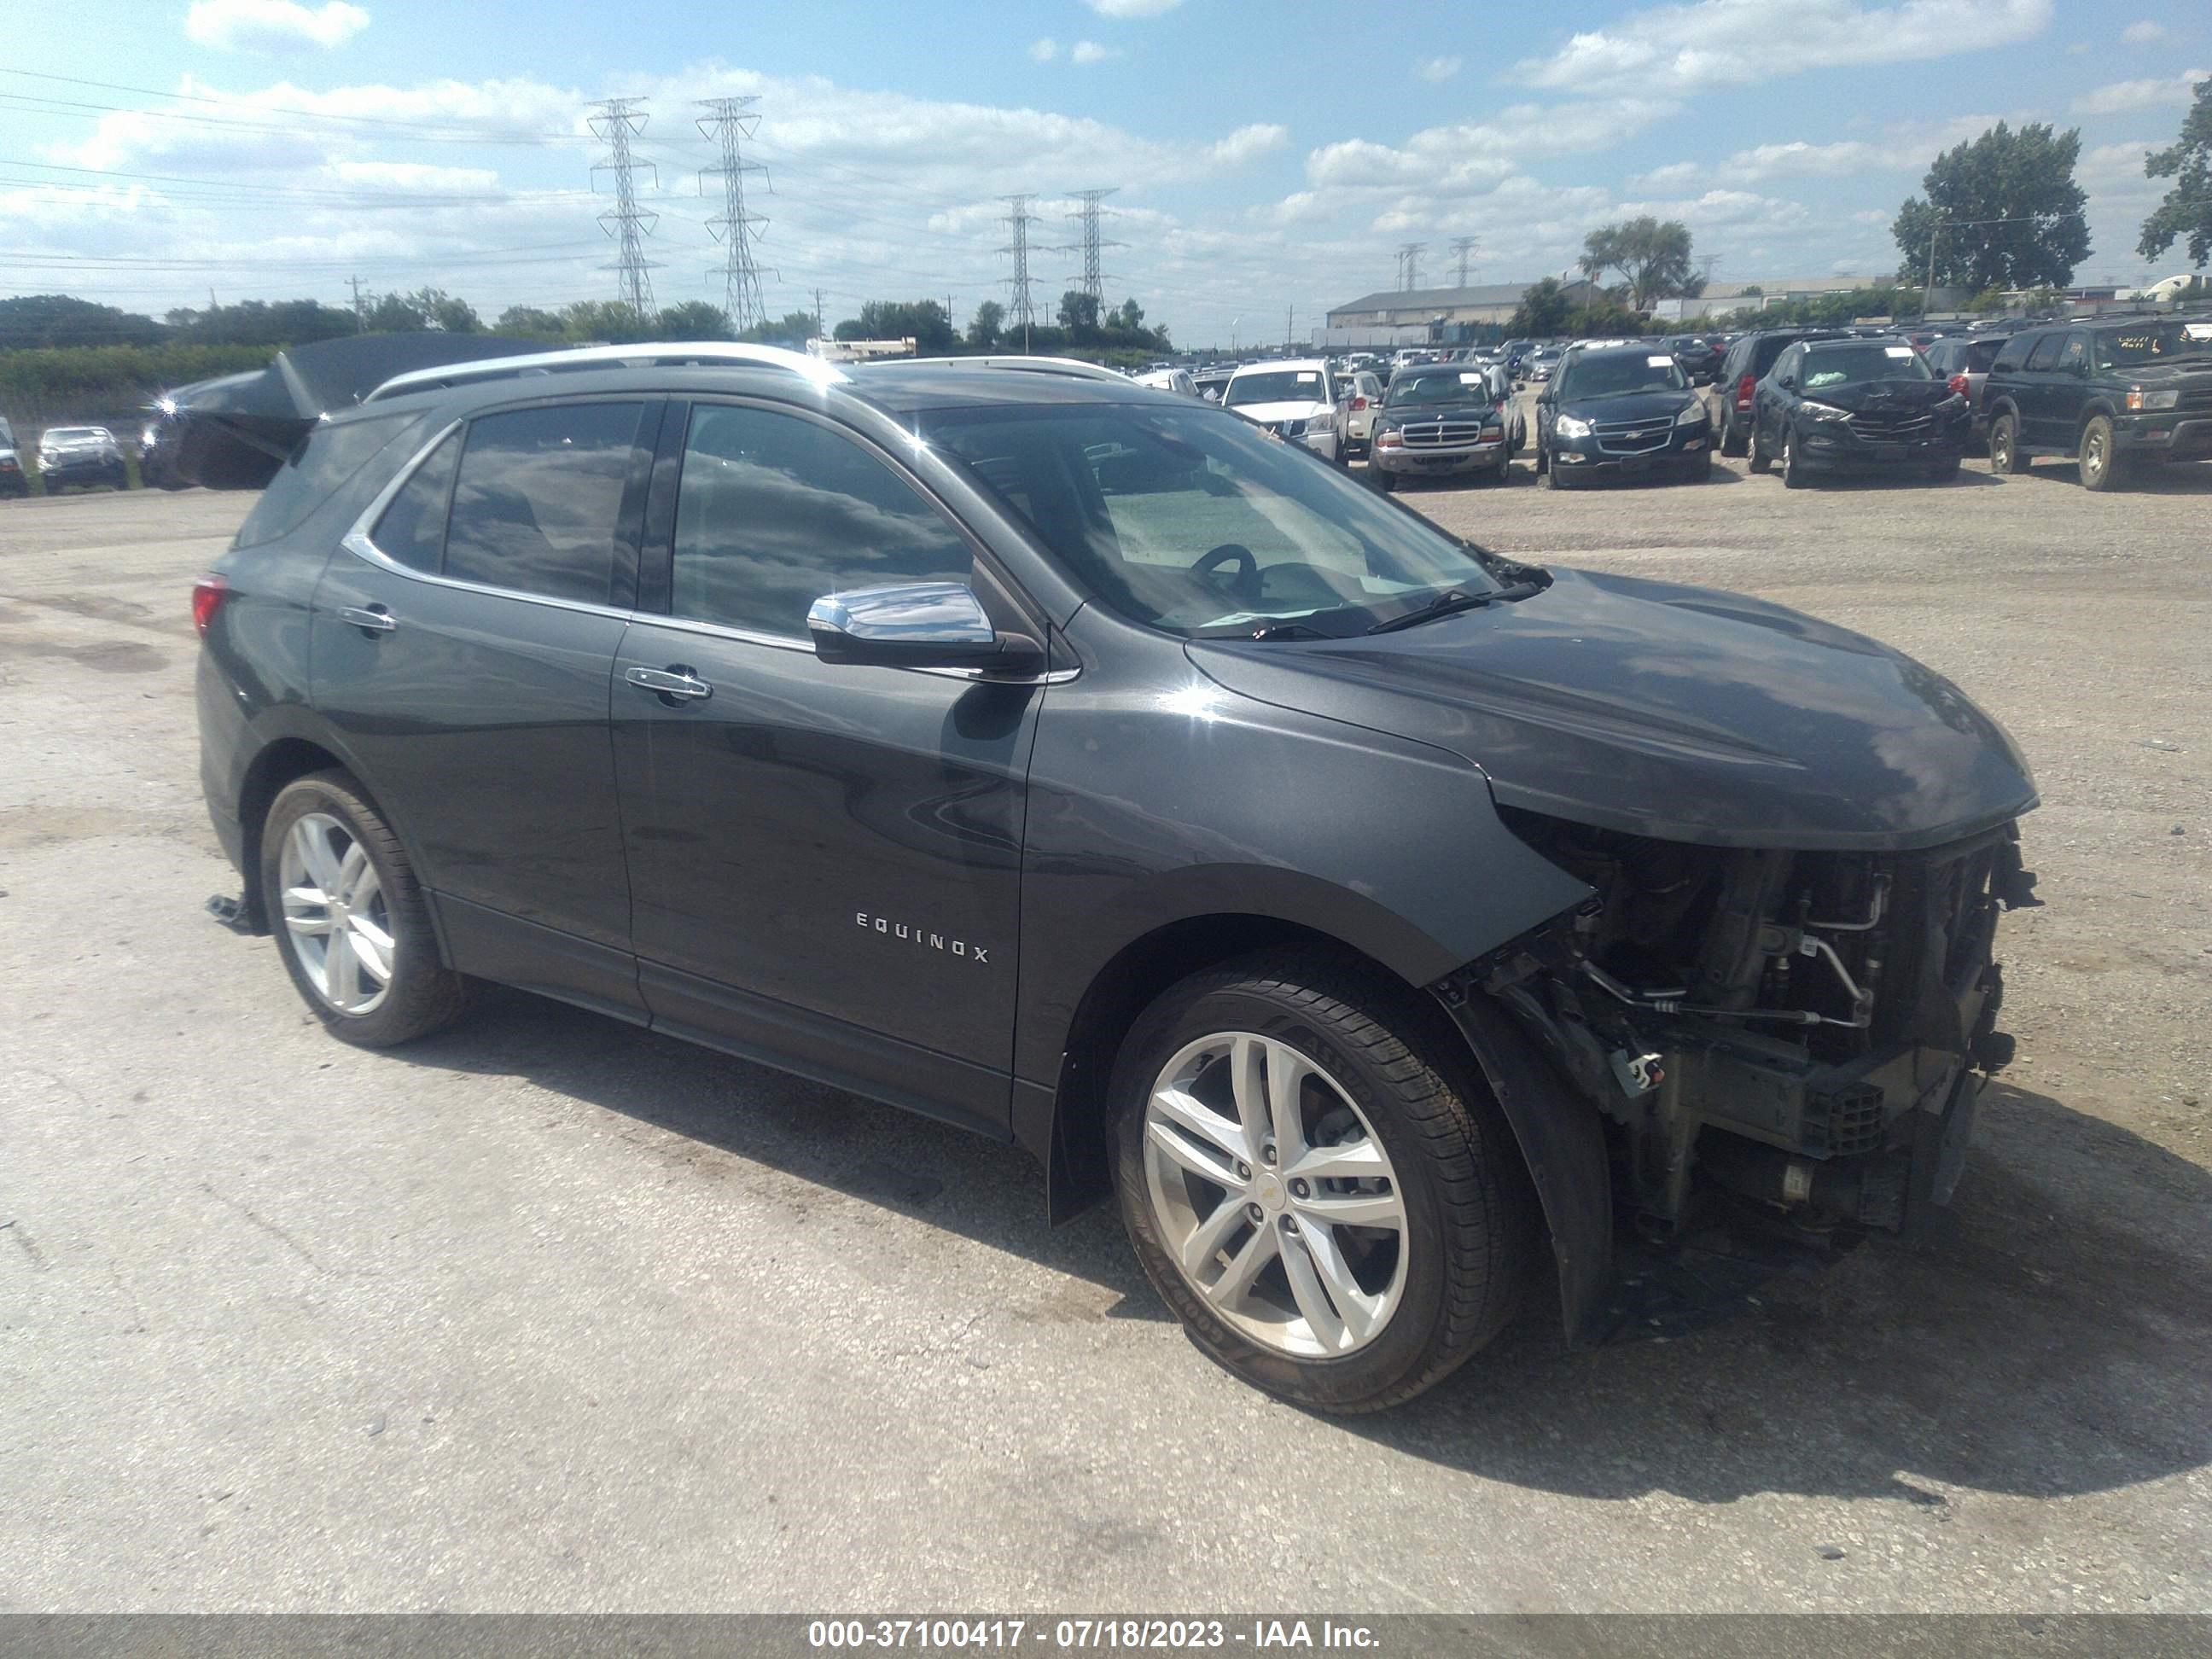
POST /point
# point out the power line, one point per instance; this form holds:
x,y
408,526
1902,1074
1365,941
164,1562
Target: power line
x,y
620,121
1019,219
733,120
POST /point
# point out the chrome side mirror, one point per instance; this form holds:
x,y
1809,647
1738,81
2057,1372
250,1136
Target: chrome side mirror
x,y
915,625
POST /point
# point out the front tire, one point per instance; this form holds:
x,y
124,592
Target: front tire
x,y
1793,470
350,919
1315,1184
2102,467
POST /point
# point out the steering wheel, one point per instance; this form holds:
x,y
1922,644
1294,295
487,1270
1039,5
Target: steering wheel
x,y
1245,582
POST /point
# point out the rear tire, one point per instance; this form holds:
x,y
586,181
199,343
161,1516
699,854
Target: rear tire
x,y
1378,1085
1759,461
2004,444
342,898
1732,445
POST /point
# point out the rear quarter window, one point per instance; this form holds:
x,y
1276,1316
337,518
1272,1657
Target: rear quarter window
x,y
326,460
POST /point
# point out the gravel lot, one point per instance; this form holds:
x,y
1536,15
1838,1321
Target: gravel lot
x,y
547,1313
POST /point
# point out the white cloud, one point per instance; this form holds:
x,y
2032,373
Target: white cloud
x,y
2117,97
1089,52
1045,51
1249,144
1689,47
1437,69
2143,33
268,25
1132,8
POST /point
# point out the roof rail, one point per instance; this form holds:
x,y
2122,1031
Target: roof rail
x,y
1070,366
657,354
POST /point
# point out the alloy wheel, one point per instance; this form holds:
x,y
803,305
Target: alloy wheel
x,y
2094,457
1274,1195
335,911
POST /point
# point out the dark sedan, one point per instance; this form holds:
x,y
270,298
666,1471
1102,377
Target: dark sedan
x,y
1621,410
1856,406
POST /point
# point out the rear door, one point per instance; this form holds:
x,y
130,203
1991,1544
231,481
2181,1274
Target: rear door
x,y
462,647
826,860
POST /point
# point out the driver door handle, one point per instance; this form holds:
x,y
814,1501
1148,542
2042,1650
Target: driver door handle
x,y
375,620
674,684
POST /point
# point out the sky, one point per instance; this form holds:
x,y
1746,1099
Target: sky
x,y
1266,160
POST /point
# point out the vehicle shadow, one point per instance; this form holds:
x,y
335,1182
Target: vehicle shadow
x,y
2040,1345
2055,1338
2163,479
936,1173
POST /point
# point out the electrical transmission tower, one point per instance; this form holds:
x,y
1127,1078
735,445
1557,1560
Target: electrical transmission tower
x,y
618,121
1092,280
1463,249
1023,310
731,121
1409,263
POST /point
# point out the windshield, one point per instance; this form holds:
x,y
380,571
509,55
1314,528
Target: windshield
x,y
1458,386
1620,375
1196,522
1286,385
2154,343
74,435
1854,365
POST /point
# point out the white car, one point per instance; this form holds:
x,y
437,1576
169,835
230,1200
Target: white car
x,y
1294,399
1176,380
1360,394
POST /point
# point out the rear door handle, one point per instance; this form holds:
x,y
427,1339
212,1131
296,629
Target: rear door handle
x,y
673,684
376,620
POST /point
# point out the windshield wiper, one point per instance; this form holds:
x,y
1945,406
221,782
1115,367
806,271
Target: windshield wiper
x,y
1451,604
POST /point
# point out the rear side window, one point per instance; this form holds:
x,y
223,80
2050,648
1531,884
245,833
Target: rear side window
x,y
412,531
537,502
772,512
324,460
1764,354
2012,354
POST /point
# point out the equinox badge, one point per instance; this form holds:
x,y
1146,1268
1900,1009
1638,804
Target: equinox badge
x,y
900,930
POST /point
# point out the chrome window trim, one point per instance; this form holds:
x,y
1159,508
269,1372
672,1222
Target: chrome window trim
x,y
359,542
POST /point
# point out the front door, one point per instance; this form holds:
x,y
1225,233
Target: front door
x,y
824,861
464,649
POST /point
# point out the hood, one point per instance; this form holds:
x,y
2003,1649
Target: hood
x,y
2180,369
1295,408
1867,395
1633,406
63,445
1678,713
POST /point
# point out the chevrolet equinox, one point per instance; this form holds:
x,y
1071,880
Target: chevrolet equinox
x,y
1364,912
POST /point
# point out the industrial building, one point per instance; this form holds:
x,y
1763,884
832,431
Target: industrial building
x,y
1431,316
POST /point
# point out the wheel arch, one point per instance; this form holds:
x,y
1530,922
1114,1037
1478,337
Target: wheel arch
x,y
1065,1126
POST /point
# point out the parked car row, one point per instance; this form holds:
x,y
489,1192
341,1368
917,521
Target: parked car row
x,y
83,455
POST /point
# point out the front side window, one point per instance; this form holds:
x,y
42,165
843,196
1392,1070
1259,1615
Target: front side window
x,y
773,511
2075,355
537,503
2046,351
1200,524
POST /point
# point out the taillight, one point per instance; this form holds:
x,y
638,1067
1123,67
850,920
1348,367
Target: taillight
x,y
208,595
1360,402
1743,392
1957,383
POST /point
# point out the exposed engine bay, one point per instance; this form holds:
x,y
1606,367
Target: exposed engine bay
x,y
1802,1031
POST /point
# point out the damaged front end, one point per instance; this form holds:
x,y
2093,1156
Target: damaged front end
x,y
1799,1035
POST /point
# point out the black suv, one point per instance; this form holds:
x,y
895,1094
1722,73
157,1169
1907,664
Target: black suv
x,y
1741,369
1079,764
2112,395
1621,411
1856,405
1443,420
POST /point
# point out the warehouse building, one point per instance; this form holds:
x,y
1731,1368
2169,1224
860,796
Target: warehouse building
x,y
1431,316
